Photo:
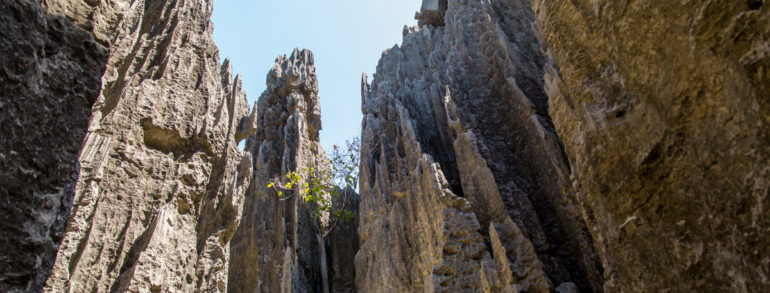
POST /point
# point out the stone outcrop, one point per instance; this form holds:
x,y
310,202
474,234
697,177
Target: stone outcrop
x,y
464,184
507,146
50,75
162,180
663,108
141,131
663,116
431,12
275,246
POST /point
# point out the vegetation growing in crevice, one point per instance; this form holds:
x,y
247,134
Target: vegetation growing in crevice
x,y
327,191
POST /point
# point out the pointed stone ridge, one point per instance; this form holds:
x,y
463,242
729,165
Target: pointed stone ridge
x,y
461,171
274,248
162,181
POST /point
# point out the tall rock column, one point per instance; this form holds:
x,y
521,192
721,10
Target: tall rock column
x,y
464,184
160,187
275,247
663,108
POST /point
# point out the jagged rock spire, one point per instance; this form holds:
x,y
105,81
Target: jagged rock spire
x,y
458,151
274,248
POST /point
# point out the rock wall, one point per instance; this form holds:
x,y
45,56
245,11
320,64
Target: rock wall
x,y
120,150
275,247
150,122
50,75
161,181
464,184
663,115
663,108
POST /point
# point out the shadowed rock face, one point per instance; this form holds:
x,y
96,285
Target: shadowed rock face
x,y
342,246
663,108
50,75
431,12
663,114
464,184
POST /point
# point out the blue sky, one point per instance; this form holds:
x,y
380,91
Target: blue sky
x,y
347,38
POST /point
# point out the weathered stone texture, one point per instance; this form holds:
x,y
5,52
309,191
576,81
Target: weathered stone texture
x,y
464,184
663,108
50,75
275,247
342,247
118,115
102,17
161,184
431,12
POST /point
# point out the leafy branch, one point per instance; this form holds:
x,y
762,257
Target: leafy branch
x,y
320,187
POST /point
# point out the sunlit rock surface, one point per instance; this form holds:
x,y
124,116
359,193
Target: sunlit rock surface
x,y
464,184
161,181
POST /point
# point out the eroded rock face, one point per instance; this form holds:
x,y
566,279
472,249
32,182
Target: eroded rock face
x,y
464,184
50,75
342,247
162,185
275,247
664,112
162,181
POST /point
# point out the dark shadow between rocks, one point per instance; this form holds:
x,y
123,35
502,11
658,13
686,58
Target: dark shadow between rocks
x,y
50,75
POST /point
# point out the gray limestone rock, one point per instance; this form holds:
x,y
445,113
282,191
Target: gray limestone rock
x,y
162,180
275,247
467,99
162,185
431,13
120,132
342,246
50,75
663,108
